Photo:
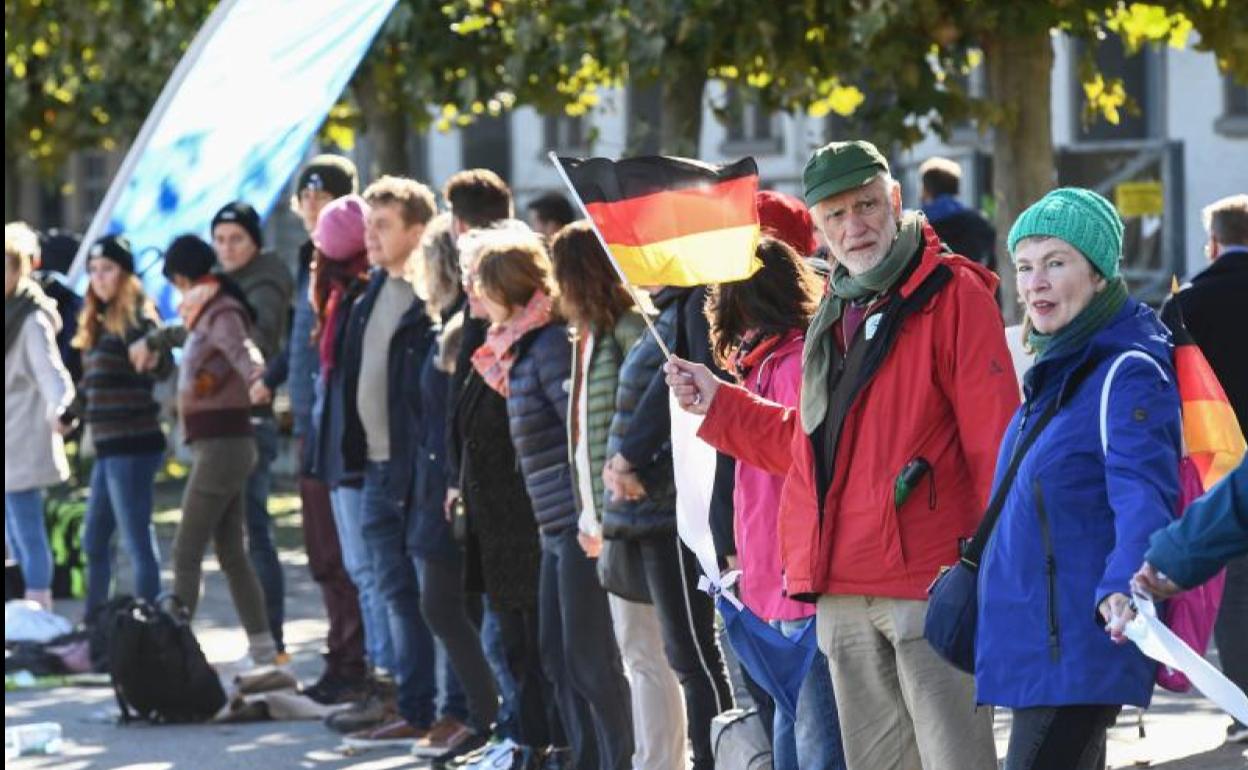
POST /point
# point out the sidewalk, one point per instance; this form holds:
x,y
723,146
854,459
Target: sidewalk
x,y
1183,732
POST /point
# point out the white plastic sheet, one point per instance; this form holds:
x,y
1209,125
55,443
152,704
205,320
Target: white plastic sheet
x,y
1160,643
694,462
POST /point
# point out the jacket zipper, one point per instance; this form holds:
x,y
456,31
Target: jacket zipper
x,y
1050,567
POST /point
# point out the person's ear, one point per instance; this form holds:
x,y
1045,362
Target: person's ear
x,y
895,199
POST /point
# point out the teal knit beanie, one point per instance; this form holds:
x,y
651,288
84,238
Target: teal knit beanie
x,y
1082,218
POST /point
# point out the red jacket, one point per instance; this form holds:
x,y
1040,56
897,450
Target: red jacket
x,y
945,393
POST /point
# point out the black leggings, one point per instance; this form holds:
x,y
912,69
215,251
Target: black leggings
x,y
445,608
1059,737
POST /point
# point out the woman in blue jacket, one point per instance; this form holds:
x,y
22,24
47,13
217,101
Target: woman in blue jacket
x,y
1101,477
527,357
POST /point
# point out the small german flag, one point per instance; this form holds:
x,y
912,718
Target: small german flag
x,y
1211,434
672,221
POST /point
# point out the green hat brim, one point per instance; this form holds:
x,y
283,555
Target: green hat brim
x,y
848,181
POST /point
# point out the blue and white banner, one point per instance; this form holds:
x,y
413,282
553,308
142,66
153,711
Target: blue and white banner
x,y
233,122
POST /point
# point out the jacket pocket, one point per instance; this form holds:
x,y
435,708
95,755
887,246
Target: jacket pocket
x,y
1050,570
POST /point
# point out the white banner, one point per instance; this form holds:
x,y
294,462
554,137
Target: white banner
x,y
233,122
694,462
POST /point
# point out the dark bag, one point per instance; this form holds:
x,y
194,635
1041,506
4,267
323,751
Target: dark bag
x,y
621,572
953,597
159,672
100,629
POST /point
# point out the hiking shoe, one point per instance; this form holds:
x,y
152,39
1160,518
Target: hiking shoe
x,y
448,735
364,715
331,690
398,732
1236,732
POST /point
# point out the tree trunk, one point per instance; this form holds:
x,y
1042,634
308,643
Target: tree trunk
x,y
386,127
1023,166
681,121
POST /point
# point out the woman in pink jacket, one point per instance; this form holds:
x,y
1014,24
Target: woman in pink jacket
x,y
757,332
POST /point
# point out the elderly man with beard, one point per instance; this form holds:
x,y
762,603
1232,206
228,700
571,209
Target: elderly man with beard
x,y
888,460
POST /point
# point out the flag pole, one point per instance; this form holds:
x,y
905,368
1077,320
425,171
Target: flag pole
x,y
632,290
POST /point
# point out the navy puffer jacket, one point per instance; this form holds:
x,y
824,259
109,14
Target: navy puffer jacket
x,y
654,514
537,413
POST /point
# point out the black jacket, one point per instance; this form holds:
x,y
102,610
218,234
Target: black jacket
x,y
641,431
412,340
502,554
969,234
537,411
1213,308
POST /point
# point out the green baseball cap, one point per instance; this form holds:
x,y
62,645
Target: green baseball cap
x,y
840,166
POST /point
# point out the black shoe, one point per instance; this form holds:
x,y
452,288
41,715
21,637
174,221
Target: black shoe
x,y
470,745
332,690
1236,733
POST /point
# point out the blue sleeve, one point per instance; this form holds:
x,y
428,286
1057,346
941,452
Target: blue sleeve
x,y
1143,435
278,370
1213,531
554,367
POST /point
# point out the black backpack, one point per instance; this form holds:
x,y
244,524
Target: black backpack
x,y
159,671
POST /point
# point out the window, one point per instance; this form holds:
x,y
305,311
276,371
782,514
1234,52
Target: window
x,y
565,135
1234,120
645,108
1139,74
487,144
750,128
93,178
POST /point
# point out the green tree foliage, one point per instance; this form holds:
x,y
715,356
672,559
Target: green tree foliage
x,y
84,74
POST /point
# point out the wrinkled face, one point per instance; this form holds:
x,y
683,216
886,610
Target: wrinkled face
x,y
390,240
235,248
860,225
1055,282
105,278
308,204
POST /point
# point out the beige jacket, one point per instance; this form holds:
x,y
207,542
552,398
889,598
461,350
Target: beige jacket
x,y
37,388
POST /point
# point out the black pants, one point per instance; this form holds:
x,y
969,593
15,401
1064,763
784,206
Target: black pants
x,y
581,658
445,608
1059,737
687,617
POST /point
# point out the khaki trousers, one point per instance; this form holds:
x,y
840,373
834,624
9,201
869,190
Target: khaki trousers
x,y
658,703
901,706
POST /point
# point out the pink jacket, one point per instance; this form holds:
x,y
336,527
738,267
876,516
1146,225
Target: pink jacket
x,y
756,498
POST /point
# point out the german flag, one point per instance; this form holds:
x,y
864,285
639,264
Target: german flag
x,y
672,221
1211,434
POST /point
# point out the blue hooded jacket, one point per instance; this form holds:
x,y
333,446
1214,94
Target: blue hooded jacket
x,y
1076,522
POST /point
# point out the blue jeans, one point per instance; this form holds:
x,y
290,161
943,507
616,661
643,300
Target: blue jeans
x,y
27,537
415,655
121,494
508,719
348,507
813,742
260,545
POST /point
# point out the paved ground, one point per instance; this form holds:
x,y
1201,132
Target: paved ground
x,y
1183,732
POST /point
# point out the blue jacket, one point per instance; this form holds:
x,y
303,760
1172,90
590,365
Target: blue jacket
x,y
408,348
537,413
1076,522
1213,530
323,453
428,533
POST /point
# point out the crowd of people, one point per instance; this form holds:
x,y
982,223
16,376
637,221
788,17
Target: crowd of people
x,y
485,463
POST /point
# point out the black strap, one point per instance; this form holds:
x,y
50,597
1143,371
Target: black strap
x,y
974,550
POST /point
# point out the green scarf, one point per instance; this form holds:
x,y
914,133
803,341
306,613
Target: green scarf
x,y
817,356
1073,336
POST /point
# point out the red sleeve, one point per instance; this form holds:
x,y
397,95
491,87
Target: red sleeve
x,y
977,376
751,429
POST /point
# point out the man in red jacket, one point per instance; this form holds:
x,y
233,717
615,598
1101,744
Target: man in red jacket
x,y
907,387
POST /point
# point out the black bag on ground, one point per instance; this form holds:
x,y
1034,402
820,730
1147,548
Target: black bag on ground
x,y
99,624
159,671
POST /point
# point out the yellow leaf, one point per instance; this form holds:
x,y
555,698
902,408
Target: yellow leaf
x,y
40,48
